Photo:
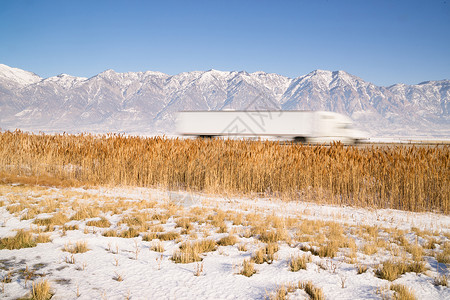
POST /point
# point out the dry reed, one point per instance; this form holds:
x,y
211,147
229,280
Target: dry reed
x,y
248,268
41,290
402,292
299,262
407,178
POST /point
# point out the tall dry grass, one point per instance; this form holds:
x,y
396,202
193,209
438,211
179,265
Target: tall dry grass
x,y
407,178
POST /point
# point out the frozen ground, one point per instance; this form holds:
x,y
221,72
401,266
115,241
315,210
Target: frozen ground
x,y
118,267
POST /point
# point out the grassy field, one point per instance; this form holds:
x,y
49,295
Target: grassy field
x,y
406,178
122,243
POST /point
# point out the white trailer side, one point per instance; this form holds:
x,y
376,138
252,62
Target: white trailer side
x,y
312,126
245,123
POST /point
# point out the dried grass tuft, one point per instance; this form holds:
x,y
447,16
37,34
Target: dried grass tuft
x,y
248,268
22,239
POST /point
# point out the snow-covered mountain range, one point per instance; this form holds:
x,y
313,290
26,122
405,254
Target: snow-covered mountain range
x,y
146,102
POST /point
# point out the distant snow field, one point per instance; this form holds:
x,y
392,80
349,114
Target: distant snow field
x,y
140,243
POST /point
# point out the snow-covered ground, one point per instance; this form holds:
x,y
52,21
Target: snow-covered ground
x,y
119,268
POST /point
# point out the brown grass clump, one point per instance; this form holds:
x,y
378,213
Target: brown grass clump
x,y
30,213
42,180
248,268
118,277
235,217
22,239
259,256
184,223
309,227
190,251
157,247
398,177
148,237
186,255
168,236
129,233
441,280
314,292
283,291
162,218
416,252
79,247
43,238
202,246
228,240
272,236
328,250
57,219
370,248
103,223
402,292
71,227
137,219
402,240
49,205
41,290
444,256
16,208
265,254
417,267
111,233
391,270
361,269
280,294
372,231
299,262
156,228
217,219
431,243
85,212
242,247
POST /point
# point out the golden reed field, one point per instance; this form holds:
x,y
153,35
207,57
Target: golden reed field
x,y
406,178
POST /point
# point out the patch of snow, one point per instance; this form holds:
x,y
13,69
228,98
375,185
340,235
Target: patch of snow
x,y
18,76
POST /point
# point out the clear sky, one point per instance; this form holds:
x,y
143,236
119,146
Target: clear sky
x,y
384,42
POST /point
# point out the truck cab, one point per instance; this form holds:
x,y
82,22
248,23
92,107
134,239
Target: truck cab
x,y
333,127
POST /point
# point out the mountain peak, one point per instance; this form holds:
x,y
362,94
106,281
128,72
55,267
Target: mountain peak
x,y
214,71
245,73
258,73
155,73
65,80
108,72
17,76
320,72
341,73
329,73
327,78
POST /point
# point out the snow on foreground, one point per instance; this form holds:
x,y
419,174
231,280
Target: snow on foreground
x,y
125,228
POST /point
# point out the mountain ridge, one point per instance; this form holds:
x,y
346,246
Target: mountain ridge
x,y
146,102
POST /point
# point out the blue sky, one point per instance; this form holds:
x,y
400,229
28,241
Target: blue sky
x,y
384,42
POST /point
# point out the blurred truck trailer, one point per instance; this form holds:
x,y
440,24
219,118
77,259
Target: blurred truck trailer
x,y
302,126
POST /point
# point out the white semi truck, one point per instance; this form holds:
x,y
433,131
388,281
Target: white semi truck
x,y
302,126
